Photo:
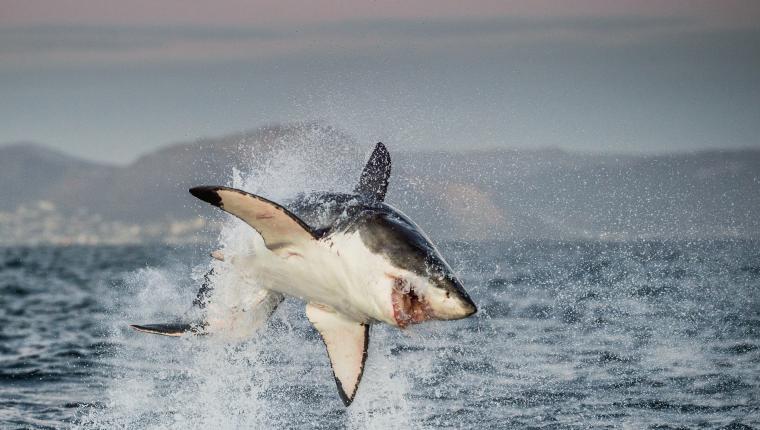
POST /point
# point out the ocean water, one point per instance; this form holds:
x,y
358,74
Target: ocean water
x,y
581,334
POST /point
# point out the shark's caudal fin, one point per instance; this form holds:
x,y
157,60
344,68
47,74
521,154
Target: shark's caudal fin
x,y
373,182
241,321
346,343
280,228
174,329
199,302
182,327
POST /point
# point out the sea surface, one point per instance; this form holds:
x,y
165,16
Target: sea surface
x,y
580,334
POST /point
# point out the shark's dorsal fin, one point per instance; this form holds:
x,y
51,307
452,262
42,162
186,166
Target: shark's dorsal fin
x,y
373,182
346,343
279,227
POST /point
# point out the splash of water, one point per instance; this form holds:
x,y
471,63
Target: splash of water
x,y
276,376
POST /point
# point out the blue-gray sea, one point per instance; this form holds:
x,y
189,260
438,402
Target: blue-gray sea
x,y
580,334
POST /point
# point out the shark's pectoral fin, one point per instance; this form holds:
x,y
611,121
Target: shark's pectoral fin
x,y
346,343
279,227
173,329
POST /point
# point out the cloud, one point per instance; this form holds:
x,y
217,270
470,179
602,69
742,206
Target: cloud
x,y
42,39
52,45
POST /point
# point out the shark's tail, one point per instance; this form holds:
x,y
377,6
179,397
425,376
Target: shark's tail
x,y
182,326
237,322
173,329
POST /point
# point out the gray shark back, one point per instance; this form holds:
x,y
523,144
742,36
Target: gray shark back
x,y
325,211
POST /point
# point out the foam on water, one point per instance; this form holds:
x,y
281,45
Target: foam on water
x,y
571,335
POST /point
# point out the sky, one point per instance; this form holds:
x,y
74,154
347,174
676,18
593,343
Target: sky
x,y
112,80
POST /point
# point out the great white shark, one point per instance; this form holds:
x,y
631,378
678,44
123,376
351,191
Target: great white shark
x,y
354,259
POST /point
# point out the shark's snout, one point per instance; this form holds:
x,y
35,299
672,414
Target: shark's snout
x,y
467,306
450,301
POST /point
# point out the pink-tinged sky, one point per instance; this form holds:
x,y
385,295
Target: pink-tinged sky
x,y
140,12
110,80
290,27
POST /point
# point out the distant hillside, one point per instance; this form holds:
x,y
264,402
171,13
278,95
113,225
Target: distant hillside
x,y
477,195
30,172
569,195
154,186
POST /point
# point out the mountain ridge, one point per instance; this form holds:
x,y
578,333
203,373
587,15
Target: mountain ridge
x,y
211,140
481,194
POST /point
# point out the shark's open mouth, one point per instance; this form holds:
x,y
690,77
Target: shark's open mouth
x,y
408,306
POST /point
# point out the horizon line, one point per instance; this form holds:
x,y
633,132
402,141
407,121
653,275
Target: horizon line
x,y
458,149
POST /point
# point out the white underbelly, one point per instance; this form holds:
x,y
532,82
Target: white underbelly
x,y
345,276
